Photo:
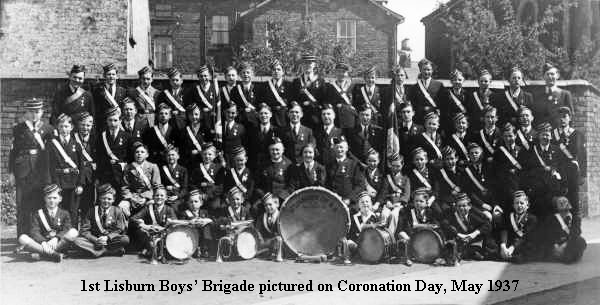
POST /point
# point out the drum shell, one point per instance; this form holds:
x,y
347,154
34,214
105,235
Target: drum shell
x,y
375,244
242,249
181,241
312,220
426,245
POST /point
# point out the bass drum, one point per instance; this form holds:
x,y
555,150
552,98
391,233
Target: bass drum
x,y
375,244
426,245
312,220
246,243
181,241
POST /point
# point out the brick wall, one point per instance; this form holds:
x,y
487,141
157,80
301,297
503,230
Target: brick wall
x,y
13,91
51,35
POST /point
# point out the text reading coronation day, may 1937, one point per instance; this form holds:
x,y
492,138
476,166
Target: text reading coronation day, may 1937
x,y
268,286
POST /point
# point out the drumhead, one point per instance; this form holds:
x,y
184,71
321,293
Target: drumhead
x,y
181,242
312,220
372,244
246,245
426,246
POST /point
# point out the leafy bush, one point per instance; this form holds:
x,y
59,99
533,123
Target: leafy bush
x,y
8,211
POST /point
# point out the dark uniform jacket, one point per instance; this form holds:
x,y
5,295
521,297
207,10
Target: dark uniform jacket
x,y
318,91
142,105
434,155
357,221
176,103
407,136
526,139
476,102
156,148
443,189
360,143
227,215
420,103
346,115
86,172
460,145
475,221
26,159
187,146
506,109
375,183
293,143
547,105
241,95
139,129
258,151
176,177
200,180
325,145
301,177
284,90
483,174
61,172
395,188
113,223
374,100
507,172
245,178
233,136
102,102
345,178
72,103
208,109
274,178
161,216
451,103
58,225
488,141
108,169
268,229
515,230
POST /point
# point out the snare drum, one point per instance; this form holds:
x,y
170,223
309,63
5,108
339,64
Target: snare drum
x,y
375,244
246,243
181,241
426,246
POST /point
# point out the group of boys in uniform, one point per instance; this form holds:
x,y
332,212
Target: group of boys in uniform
x,y
494,172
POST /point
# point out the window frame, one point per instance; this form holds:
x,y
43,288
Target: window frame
x,y
158,42
342,24
220,25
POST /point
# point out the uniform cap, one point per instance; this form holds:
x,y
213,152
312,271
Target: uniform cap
x,y
544,126
144,70
507,127
77,69
159,187
109,67
488,108
455,74
396,157
431,115
363,107
237,151
519,193
362,194
294,104
84,116
564,110
448,150
338,140
267,196
422,190
62,117
342,66
191,107
202,69
105,189
113,111
473,145
309,57
483,72
372,151
51,188
417,150
171,147
561,203
458,117
461,197
274,63
33,104
172,72
195,192
234,191
370,70
548,66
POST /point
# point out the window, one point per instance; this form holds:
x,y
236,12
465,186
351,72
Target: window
x,y
220,30
267,35
346,31
163,10
163,52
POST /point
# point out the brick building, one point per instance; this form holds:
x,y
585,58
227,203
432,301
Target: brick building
x,y
49,36
185,32
581,20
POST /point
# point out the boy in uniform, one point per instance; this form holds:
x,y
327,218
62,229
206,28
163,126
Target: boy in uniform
x,y
108,95
339,92
228,217
175,178
368,96
425,96
195,215
173,96
205,95
140,177
145,95
344,176
267,226
276,93
360,220
518,225
160,136
72,99
87,142
113,150
135,127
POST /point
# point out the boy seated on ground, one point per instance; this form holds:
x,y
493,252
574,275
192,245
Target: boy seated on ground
x,y
471,231
140,177
363,219
103,231
515,244
51,230
268,227
195,215
228,219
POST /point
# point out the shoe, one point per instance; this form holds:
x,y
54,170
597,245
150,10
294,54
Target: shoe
x,y
143,253
57,257
35,256
19,250
408,262
120,252
278,259
478,256
347,262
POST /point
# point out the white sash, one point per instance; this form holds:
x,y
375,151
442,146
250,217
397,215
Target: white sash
x,y
457,102
241,93
107,147
562,223
146,98
98,220
390,180
44,220
226,93
487,144
160,136
425,93
477,100
203,98
152,216
460,222
75,95
513,222
475,180
110,99
367,99
63,154
193,138
237,181
421,178
276,94
358,223
170,177
266,223
414,216
206,174
462,147
36,135
445,175
537,154
174,101
189,214
432,143
510,158
86,155
523,140
232,214
511,101
305,91
565,151
145,178
341,93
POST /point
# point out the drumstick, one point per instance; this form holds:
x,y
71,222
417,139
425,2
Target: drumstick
x,y
311,258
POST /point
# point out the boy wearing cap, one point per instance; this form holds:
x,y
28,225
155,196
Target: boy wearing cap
x,y
295,135
480,99
488,136
72,99
366,134
395,191
471,231
237,174
204,177
516,229
363,218
134,126
174,178
267,226
339,92
276,93
262,136
369,96
113,150
87,142
244,95
161,135
235,212
421,172
425,96
309,91
64,161
275,175
375,181
526,134
51,230
508,166
431,139
234,133
27,161
448,181
454,102
461,136
513,97
145,95
345,176
173,96
192,137
103,231
108,94
308,172
194,214
325,134
479,182
140,177
205,95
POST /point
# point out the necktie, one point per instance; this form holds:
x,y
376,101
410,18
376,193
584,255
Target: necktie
x,y
104,213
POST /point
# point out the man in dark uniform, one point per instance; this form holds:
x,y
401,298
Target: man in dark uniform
x,y
408,129
339,93
488,137
108,95
275,175
344,176
366,135
554,97
244,95
206,96
480,99
113,150
425,96
509,160
526,134
325,134
237,174
369,96
132,125
27,162
513,97
145,95
262,136
73,99
173,96
295,135
161,135
276,93
310,91
234,133
308,172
